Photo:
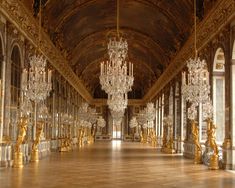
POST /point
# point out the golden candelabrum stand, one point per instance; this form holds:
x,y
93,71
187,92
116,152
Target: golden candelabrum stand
x,y
66,143
81,136
144,135
153,137
35,152
214,159
18,155
197,146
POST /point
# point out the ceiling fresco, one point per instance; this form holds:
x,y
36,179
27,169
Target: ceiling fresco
x,y
155,31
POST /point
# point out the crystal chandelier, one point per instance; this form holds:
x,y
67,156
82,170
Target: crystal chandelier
x,y
116,75
87,113
101,122
196,88
117,102
133,122
36,83
147,115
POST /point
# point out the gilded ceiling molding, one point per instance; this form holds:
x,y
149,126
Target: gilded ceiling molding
x,y
15,11
217,18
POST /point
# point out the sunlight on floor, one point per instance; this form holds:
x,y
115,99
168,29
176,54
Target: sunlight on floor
x,y
116,144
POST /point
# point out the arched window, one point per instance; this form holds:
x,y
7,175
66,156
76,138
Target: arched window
x,y
15,76
219,94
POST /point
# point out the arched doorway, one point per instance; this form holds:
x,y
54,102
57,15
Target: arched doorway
x,y
219,94
15,89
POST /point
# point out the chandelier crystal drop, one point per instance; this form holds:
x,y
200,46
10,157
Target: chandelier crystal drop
x,y
116,75
195,87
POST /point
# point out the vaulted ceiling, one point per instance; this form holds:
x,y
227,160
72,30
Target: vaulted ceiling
x,y
155,31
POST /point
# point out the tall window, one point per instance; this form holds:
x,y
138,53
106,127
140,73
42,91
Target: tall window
x,y
219,94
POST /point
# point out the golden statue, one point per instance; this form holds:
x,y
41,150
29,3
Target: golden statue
x,y
197,147
22,132
18,155
81,137
145,135
214,160
141,137
34,154
153,139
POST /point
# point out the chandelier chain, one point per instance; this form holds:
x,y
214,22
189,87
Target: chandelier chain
x,y
195,28
118,35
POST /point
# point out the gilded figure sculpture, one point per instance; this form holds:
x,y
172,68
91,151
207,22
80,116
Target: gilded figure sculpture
x,y
18,155
214,160
22,126
153,139
34,154
197,146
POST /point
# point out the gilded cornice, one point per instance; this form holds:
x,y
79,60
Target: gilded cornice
x,y
219,16
15,11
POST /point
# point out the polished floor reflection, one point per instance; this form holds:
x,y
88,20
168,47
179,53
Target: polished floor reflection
x,y
115,164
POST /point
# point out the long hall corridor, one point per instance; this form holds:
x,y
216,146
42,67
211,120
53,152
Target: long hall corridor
x,y
115,164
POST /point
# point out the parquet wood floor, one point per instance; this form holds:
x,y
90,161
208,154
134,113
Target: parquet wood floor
x,y
115,164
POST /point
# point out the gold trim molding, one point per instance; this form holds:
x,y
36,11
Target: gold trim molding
x,y
216,19
23,20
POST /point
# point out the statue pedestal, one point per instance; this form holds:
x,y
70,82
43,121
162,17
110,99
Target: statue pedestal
x,y
197,157
214,162
18,160
168,150
34,156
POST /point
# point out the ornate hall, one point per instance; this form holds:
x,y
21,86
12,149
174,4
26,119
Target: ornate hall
x,y
117,93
